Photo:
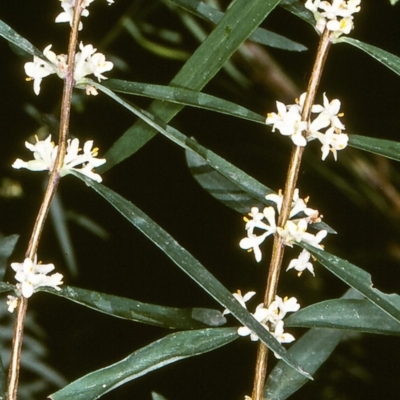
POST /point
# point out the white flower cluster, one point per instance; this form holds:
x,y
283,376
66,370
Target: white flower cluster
x,y
336,16
45,152
87,62
31,275
68,14
271,318
288,122
294,231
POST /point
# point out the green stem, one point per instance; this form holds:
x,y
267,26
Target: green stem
x,y
290,186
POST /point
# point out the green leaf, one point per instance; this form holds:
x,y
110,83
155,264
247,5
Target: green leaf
x,y
166,317
6,287
230,185
239,178
382,147
223,189
184,97
188,264
297,8
242,18
346,314
170,349
311,350
13,37
358,279
260,35
387,59
242,181
7,246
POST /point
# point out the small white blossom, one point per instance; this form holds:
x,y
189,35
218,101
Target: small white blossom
x,y
241,299
45,152
331,141
32,275
336,16
271,319
328,115
12,303
294,231
288,122
301,263
87,62
39,69
261,315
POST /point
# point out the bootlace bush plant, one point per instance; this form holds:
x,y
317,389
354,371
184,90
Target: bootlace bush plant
x,y
275,223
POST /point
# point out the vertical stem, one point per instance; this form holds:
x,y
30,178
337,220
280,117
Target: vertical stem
x,y
15,360
290,186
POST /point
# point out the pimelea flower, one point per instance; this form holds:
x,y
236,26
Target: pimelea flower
x,y
336,16
68,14
301,263
32,275
271,318
294,231
87,62
241,299
288,122
45,152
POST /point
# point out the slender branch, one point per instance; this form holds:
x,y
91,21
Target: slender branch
x,y
13,374
290,186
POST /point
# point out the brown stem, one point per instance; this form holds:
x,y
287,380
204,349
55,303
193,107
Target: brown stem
x,y
290,186
13,374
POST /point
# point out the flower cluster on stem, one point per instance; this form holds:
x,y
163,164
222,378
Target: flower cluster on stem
x,y
270,317
326,127
87,62
336,16
45,152
263,224
31,275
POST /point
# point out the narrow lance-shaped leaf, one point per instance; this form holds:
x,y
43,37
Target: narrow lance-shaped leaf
x,y
188,264
121,307
312,349
242,18
260,35
184,97
346,314
13,37
239,179
170,349
382,147
358,279
387,59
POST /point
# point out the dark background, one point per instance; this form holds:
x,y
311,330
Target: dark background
x,y
157,180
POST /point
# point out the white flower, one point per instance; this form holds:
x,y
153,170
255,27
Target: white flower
x,y
280,307
295,231
87,62
68,14
328,115
261,315
241,299
331,141
32,275
336,16
45,151
12,303
288,122
39,69
252,243
301,263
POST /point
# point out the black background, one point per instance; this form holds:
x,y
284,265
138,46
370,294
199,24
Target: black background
x,y
157,180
